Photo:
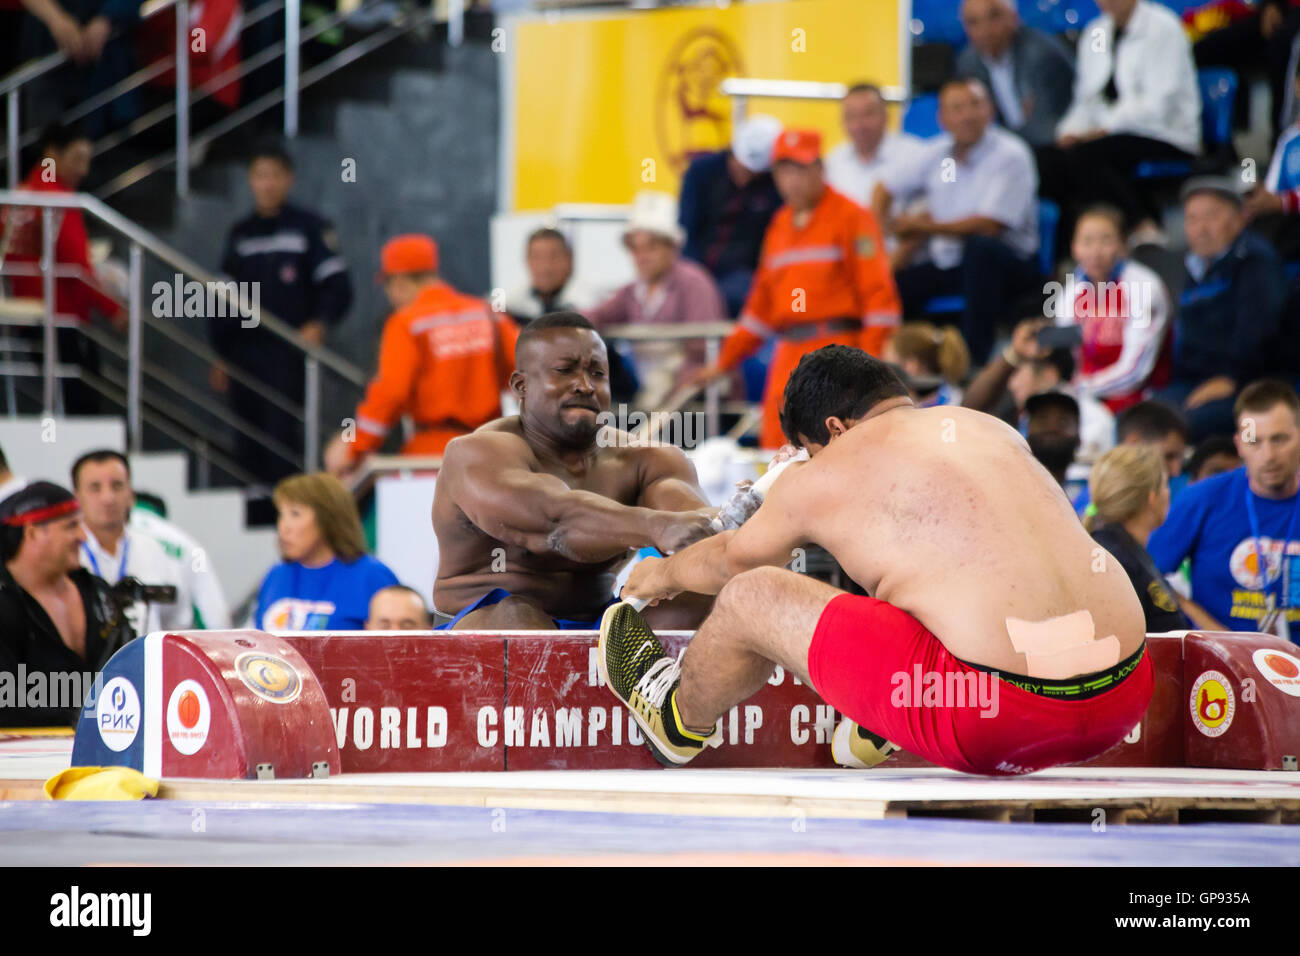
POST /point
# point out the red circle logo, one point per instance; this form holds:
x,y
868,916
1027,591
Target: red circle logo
x,y
187,709
1282,666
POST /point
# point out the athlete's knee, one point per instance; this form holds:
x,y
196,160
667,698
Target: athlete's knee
x,y
752,589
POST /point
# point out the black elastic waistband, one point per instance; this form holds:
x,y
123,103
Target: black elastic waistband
x,y
1075,688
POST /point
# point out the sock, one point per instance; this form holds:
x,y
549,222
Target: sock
x,y
681,727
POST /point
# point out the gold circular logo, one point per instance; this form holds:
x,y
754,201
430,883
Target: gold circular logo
x,y
692,116
269,677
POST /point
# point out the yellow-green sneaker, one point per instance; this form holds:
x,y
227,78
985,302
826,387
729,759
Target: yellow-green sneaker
x,y
643,676
855,746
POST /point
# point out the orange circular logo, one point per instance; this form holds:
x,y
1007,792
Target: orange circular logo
x,y
1282,665
187,709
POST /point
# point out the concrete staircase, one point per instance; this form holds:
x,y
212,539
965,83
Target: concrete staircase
x,y
420,122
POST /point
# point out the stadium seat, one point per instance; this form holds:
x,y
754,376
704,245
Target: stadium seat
x,y
1049,215
1218,94
937,21
921,117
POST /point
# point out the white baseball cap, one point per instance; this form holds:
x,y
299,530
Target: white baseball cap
x,y
752,141
656,213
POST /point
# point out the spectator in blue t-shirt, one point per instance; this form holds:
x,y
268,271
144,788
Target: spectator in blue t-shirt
x,y
1227,523
326,579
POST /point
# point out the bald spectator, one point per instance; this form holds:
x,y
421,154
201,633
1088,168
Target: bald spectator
x,y
668,289
397,608
1230,313
727,200
856,165
1135,100
551,286
979,237
1029,73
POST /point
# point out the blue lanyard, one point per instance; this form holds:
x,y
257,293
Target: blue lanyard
x,y
121,568
1284,576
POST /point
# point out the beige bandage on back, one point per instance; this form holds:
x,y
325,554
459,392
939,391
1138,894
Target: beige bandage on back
x,y
1062,647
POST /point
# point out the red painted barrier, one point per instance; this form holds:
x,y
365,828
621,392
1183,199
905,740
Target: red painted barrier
x,y
217,704
212,704
1241,701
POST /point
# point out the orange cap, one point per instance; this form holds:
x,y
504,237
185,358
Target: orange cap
x,y
799,145
409,253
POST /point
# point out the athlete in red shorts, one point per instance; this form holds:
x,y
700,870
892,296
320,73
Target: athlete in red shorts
x,y
1000,639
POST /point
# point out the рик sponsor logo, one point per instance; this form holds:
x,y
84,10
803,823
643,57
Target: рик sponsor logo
x,y
73,909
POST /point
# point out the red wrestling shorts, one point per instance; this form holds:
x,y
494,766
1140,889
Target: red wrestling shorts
x,y
883,670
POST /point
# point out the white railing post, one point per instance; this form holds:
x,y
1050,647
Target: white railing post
x,y
11,142
47,290
712,408
183,98
292,22
135,350
311,416
455,22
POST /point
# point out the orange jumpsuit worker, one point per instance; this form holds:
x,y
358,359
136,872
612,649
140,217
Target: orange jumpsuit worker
x,y
823,278
444,359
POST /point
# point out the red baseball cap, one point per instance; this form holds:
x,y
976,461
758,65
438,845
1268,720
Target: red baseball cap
x,y
798,145
409,253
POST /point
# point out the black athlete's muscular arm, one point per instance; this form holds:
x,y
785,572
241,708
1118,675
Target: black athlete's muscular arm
x,y
494,486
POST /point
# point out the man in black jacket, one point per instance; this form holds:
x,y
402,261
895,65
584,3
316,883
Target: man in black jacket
x,y
291,257
1229,326
59,624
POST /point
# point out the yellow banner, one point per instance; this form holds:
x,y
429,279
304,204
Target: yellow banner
x,y
604,107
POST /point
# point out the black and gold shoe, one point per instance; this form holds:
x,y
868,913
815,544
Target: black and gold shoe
x,y
855,746
639,671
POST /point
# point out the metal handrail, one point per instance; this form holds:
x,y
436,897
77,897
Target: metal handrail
x,y
376,466
181,263
314,356
260,105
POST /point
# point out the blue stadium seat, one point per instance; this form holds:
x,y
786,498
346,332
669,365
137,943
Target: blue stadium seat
x,y
938,21
921,118
754,371
1218,94
1049,215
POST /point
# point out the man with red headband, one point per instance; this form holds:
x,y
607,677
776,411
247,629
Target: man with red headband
x,y
444,360
823,278
56,618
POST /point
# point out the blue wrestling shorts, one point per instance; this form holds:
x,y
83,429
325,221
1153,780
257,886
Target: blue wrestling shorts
x,y
496,595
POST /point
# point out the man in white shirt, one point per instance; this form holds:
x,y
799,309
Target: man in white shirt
x,y
854,166
113,550
1136,100
193,565
981,230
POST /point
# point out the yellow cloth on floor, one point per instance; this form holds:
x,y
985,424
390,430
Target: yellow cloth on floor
x,y
100,783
